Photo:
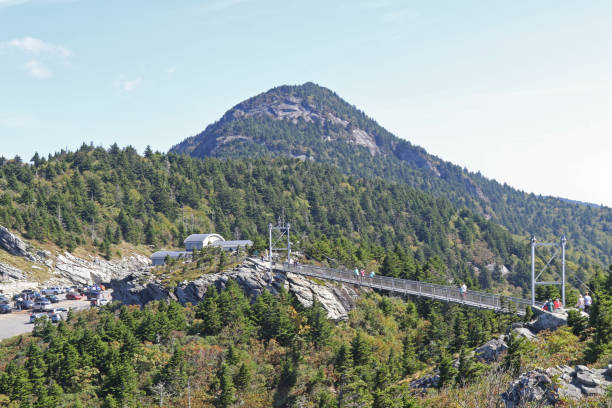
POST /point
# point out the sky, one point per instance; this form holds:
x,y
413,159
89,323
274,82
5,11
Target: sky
x,y
518,90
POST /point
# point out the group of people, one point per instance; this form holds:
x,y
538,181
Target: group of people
x,y
585,302
552,305
362,273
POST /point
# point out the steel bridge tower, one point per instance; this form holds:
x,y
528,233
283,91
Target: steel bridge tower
x,y
534,279
283,231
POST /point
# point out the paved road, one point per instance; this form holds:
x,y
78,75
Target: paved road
x,y
18,322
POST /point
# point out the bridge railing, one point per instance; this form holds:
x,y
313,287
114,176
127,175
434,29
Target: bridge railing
x,y
432,290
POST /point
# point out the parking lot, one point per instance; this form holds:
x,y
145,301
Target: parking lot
x,y
18,322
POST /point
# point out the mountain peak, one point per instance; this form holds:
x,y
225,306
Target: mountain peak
x,y
307,108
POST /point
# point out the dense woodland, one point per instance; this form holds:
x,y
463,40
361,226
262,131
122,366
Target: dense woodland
x,y
230,350
587,227
97,198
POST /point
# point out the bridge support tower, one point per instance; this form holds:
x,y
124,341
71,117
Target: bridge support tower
x,y
276,235
560,246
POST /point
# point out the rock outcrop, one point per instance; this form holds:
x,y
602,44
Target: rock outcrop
x,y
12,244
421,385
96,270
7,271
550,385
491,350
547,320
141,288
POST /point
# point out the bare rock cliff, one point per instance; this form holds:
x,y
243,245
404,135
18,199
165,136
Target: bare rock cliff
x,y
337,300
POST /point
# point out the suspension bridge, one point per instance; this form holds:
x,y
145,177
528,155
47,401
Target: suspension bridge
x,y
482,300
478,299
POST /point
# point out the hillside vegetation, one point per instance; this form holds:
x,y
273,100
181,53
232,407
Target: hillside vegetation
x,y
313,122
96,199
230,350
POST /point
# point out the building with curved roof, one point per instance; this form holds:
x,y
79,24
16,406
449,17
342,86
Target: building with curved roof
x,y
199,241
233,245
159,257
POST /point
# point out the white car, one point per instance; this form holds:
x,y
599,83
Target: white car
x,y
42,305
55,290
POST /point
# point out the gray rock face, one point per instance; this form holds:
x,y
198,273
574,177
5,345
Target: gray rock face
x,y
140,288
422,384
525,332
538,385
10,272
546,320
12,244
532,386
491,350
96,270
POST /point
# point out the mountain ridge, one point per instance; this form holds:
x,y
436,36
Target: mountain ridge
x,y
310,122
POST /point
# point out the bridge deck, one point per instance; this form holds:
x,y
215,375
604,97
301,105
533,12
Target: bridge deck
x,y
472,298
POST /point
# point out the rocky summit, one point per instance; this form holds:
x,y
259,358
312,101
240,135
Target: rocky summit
x,y
554,383
141,288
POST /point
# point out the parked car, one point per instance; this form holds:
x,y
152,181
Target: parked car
x,y
58,314
55,290
42,305
35,316
101,298
5,308
24,304
4,300
29,294
53,299
74,296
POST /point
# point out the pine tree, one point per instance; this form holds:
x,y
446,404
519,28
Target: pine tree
x,y
409,361
447,371
242,377
469,370
232,355
343,360
227,395
517,347
360,350
320,328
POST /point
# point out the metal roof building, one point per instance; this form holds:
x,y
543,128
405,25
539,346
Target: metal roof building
x,y
232,245
159,257
199,241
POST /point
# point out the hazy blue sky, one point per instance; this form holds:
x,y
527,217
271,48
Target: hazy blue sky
x,y
519,90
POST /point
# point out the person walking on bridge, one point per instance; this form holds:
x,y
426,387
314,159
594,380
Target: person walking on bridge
x,y
580,303
588,301
463,290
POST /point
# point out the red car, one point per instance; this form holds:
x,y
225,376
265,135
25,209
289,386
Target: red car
x,y
73,296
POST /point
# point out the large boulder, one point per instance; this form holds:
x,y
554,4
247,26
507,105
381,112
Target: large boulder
x,y
7,271
421,385
531,387
525,332
491,350
547,320
12,244
575,383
